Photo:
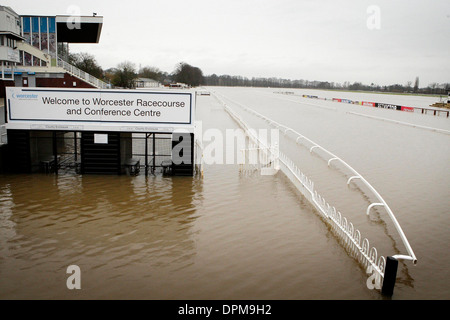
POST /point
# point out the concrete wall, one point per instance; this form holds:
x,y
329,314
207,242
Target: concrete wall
x,y
8,20
66,81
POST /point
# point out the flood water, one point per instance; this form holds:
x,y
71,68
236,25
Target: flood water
x,y
235,234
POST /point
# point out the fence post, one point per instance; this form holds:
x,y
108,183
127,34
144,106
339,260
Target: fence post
x,y
390,275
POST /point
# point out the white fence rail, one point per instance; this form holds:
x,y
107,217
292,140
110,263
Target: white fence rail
x,y
351,237
268,160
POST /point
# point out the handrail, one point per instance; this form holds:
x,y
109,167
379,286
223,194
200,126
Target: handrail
x,y
81,74
405,241
268,150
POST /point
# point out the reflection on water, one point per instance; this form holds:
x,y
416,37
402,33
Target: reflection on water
x,y
100,223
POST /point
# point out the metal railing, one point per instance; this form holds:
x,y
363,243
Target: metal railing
x,y
268,160
350,236
82,74
344,229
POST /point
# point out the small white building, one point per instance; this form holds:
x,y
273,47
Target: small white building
x,y
146,83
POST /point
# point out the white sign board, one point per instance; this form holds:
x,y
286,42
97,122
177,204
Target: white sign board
x,y
13,55
101,138
94,109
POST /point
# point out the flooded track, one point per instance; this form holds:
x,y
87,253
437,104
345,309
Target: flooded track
x,y
235,235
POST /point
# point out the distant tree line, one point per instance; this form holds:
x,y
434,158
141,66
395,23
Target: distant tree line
x,y
227,80
125,74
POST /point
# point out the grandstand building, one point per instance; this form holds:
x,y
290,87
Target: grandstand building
x,y
34,49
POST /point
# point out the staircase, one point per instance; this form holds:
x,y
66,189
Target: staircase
x,y
100,158
70,69
80,74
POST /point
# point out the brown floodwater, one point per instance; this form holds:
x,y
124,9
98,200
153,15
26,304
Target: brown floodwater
x,y
235,234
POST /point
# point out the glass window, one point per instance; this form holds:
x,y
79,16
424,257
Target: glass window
x,y
51,25
44,42
26,24
27,36
44,37
35,35
27,58
36,61
43,24
35,39
35,24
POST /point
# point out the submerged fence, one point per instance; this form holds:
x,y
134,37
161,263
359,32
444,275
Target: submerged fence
x,y
382,273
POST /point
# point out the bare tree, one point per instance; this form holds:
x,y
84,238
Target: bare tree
x,y
86,62
408,86
151,73
124,75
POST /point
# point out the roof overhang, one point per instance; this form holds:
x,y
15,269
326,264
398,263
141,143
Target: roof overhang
x,y
11,35
79,29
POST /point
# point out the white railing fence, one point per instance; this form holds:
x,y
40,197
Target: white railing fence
x,y
260,155
349,236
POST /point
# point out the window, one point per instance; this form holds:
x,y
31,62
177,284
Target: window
x,y
26,24
44,35
43,22
35,24
52,25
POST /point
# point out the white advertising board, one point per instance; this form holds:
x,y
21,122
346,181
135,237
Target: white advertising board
x,y
94,109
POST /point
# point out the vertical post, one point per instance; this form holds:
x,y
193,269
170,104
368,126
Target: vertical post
x,y
55,152
146,154
154,153
390,275
75,145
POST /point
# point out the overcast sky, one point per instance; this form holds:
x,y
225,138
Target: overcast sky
x,y
326,40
